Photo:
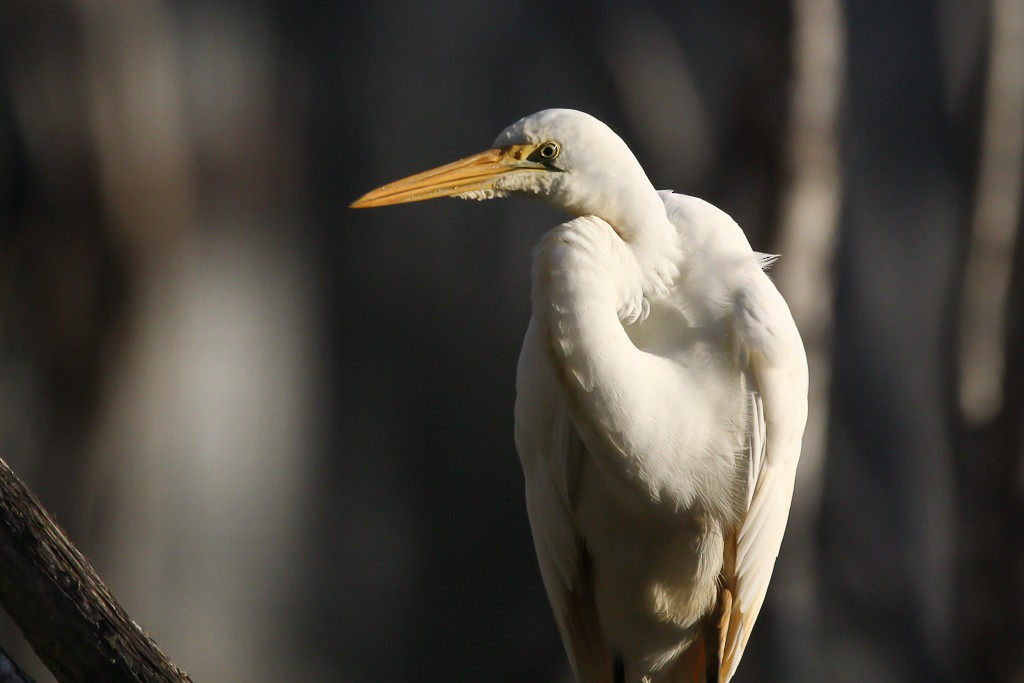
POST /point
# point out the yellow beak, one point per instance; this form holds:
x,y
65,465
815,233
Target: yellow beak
x,y
478,172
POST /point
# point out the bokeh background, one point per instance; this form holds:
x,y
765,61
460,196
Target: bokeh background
x,y
282,429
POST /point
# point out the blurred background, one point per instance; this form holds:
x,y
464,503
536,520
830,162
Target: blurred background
x,y
282,430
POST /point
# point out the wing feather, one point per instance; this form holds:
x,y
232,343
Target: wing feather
x,y
551,452
776,369
771,356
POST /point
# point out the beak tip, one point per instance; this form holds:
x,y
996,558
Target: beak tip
x,y
367,201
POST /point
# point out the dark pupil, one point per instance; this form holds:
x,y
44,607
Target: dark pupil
x,y
548,151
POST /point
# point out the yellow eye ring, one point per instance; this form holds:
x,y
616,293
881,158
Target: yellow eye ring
x,y
549,151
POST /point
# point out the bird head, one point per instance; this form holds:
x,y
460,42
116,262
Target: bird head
x,y
564,157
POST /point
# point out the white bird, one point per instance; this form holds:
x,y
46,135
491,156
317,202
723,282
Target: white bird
x,y
661,403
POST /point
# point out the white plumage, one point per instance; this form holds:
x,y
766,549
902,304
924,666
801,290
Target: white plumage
x,y
662,397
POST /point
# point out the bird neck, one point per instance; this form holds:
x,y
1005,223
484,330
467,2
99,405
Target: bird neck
x,y
653,240
590,262
585,275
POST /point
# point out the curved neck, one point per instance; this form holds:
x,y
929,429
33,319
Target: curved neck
x,y
628,202
653,240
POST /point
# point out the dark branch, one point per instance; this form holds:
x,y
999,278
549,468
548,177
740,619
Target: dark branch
x,y
9,671
66,613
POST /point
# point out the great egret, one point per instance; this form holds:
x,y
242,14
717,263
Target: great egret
x,y
661,402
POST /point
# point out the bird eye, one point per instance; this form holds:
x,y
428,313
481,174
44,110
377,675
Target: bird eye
x,y
548,151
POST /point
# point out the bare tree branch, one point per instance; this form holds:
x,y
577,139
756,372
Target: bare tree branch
x,y
9,671
68,615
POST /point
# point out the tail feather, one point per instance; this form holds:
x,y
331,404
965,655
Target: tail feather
x,y
588,651
730,619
